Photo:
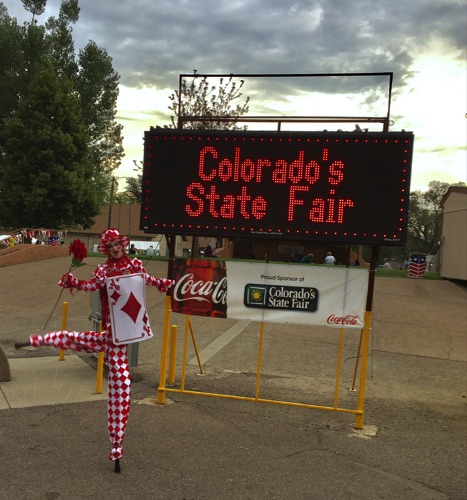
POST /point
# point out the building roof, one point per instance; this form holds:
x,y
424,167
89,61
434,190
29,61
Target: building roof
x,y
452,189
123,217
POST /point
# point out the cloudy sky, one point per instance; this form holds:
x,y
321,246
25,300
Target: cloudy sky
x,y
422,42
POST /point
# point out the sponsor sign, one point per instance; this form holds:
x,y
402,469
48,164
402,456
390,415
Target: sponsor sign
x,y
275,293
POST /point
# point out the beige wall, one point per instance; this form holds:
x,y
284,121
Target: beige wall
x,y
125,218
453,250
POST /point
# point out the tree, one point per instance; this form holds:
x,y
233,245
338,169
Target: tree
x,y
97,84
35,7
424,226
199,98
61,46
133,189
134,186
30,53
11,48
48,174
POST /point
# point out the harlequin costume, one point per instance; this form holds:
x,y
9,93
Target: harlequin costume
x,y
116,356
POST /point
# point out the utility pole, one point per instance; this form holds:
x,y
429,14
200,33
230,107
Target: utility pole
x,y
112,188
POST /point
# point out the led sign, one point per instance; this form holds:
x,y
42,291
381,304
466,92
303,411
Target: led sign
x,y
342,186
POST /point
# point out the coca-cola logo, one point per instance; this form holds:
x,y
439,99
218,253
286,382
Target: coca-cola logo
x,y
188,288
350,319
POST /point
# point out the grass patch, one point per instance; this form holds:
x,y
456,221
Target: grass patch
x,y
403,273
380,272
140,256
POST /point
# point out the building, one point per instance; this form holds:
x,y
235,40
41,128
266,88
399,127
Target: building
x,y
123,217
126,218
452,256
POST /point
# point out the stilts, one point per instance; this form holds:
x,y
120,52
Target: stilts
x,y
20,345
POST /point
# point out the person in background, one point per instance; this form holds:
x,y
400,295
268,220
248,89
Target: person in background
x,y
208,251
132,250
307,259
329,259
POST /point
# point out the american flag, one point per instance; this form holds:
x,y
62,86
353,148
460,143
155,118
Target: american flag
x,y
55,241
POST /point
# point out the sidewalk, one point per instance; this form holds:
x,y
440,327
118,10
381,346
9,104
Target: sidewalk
x,y
39,381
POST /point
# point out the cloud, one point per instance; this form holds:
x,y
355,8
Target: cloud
x,y
152,42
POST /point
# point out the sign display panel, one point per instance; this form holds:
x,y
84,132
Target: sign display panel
x,y
341,186
274,293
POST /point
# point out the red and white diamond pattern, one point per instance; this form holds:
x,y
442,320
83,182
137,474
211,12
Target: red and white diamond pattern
x,y
119,384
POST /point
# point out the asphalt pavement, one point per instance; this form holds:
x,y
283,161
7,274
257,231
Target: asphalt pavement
x,y
53,432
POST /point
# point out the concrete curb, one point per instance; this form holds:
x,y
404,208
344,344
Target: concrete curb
x,y
5,373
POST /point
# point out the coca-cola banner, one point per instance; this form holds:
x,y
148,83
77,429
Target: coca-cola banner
x,y
273,293
200,287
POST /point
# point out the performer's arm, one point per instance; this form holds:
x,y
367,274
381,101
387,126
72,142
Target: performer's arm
x,y
162,284
68,280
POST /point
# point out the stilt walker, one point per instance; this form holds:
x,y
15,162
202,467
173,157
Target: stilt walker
x,y
120,281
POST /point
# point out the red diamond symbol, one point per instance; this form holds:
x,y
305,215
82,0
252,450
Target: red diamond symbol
x,y
132,307
115,296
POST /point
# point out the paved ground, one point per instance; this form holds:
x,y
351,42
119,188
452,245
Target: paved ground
x,y
195,447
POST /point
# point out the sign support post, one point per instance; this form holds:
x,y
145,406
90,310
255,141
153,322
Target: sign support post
x,y
160,399
366,336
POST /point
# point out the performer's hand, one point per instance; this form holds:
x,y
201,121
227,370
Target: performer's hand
x,y
65,281
164,284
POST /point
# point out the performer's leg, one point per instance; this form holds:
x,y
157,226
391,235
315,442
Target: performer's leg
x,y
119,397
73,341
